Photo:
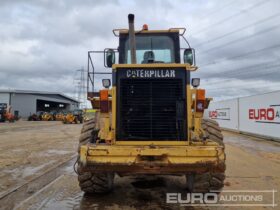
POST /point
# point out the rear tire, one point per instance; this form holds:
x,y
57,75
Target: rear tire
x,y
89,182
209,181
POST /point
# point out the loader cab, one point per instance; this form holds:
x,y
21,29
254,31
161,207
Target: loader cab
x,y
151,94
151,47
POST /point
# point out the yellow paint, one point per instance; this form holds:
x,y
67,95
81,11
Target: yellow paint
x,y
189,110
113,154
187,66
129,153
114,113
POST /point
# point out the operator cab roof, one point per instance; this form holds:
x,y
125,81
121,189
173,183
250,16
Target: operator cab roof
x,y
181,31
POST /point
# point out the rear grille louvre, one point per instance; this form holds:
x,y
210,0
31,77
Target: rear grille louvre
x,y
147,109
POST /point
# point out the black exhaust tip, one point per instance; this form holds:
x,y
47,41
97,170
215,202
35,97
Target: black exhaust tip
x,y
131,18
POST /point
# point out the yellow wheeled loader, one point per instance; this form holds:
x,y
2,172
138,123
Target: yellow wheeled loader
x,y
75,116
48,116
59,116
89,114
151,120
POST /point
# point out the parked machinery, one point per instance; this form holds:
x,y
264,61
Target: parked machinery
x,y
60,116
88,114
36,117
3,108
33,117
6,113
75,116
49,116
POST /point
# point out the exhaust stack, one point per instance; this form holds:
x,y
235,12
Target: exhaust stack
x,y
132,43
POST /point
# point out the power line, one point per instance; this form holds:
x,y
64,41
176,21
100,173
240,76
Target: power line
x,y
233,72
262,75
243,55
239,86
248,86
240,29
233,16
215,10
242,39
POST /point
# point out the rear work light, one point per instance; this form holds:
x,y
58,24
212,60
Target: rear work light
x,y
200,100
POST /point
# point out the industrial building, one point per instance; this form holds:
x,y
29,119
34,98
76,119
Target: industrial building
x,y
25,102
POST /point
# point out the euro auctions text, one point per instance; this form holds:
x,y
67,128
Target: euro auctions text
x,y
224,198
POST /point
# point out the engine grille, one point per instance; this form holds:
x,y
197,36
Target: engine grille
x,y
148,109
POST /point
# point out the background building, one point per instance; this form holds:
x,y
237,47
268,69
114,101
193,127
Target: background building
x,y
25,102
257,114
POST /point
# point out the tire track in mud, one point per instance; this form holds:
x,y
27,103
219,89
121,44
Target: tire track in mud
x,y
64,193
10,198
27,127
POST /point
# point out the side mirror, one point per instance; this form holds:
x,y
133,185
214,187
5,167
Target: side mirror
x,y
110,57
189,56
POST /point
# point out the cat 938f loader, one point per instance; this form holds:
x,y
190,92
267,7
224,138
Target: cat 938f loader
x,y
151,120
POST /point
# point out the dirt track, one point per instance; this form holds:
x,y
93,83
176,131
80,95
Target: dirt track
x,y
252,164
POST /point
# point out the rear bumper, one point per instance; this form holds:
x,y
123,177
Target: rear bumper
x,y
156,160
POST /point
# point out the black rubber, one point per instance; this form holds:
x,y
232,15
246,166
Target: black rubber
x,y
92,182
209,181
213,131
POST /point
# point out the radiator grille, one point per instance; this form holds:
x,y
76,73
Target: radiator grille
x,y
147,109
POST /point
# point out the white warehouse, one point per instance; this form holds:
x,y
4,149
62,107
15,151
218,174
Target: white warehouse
x,y
25,102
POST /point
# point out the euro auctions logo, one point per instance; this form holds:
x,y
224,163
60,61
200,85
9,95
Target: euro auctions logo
x,y
213,114
220,114
270,114
237,198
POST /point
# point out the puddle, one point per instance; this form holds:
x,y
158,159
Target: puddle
x,y
23,172
129,193
34,188
57,152
28,171
18,150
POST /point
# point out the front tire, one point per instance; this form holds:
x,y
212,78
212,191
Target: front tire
x,y
90,182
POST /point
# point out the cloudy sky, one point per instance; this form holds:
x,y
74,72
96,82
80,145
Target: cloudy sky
x,y
44,42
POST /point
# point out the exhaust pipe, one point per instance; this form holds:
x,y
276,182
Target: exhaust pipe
x,y
132,43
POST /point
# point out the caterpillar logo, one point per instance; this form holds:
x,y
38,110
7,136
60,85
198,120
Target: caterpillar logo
x,y
265,115
142,73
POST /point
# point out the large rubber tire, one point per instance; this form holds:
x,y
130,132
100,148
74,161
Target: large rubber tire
x,y
92,182
209,181
213,131
98,183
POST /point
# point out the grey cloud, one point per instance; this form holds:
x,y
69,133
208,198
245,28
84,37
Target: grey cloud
x,y
44,42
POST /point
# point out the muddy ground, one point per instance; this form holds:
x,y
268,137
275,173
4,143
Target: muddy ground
x,y
36,172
